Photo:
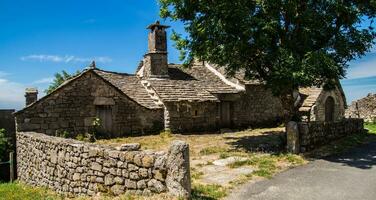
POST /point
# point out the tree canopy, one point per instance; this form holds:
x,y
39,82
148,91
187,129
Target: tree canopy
x,y
285,43
59,79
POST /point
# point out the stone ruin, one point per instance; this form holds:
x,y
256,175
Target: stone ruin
x,y
363,108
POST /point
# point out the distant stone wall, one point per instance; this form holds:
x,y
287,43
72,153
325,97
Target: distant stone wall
x,y
73,167
74,106
363,108
192,116
306,136
257,107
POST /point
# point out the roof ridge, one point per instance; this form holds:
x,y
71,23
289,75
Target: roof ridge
x,y
113,72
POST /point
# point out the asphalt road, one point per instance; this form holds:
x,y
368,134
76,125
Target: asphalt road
x,y
350,176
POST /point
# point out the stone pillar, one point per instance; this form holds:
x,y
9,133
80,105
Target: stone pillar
x,y
292,131
31,95
178,180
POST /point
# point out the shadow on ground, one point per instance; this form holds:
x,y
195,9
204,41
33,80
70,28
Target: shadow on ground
x,y
270,142
362,157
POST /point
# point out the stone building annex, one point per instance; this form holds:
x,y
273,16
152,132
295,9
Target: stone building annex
x,y
166,96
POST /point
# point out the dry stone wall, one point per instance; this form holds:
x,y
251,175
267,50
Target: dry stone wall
x,y
363,108
73,167
306,136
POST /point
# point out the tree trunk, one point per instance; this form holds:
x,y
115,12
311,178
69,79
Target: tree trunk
x,y
290,103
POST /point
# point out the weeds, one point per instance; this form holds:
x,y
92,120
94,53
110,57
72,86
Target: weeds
x,y
165,134
203,192
212,150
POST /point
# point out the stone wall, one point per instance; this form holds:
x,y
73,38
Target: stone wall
x,y
306,136
192,116
73,107
73,167
318,110
257,107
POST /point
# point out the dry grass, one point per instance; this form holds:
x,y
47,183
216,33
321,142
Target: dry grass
x,y
205,144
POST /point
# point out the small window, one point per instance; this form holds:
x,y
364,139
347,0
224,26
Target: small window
x,y
196,113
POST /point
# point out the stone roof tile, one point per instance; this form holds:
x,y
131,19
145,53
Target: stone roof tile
x,y
131,86
310,95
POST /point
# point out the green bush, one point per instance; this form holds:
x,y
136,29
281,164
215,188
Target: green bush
x,y
4,146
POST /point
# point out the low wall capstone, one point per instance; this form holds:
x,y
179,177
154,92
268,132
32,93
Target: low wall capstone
x,y
306,136
72,167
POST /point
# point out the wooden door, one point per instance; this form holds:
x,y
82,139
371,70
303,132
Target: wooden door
x,y
329,109
225,114
104,113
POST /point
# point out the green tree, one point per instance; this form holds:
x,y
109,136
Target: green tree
x,y
59,79
4,145
286,44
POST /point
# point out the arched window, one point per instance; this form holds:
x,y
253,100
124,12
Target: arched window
x,y
329,109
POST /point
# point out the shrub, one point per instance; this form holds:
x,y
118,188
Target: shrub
x,y
5,145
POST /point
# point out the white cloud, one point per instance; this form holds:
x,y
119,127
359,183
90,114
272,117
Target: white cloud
x,y
12,94
44,80
362,69
2,74
66,58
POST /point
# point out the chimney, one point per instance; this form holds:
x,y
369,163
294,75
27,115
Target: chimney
x,y
31,95
155,61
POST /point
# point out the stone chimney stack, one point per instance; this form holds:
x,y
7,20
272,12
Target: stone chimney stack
x,y
31,95
155,61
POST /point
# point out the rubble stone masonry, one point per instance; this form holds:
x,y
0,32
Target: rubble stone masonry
x,y
73,167
74,106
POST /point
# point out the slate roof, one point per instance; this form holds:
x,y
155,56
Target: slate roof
x,y
207,79
196,83
130,85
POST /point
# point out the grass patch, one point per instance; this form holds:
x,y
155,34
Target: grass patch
x,y
208,192
292,159
241,179
371,127
195,175
212,150
267,165
18,191
240,163
165,134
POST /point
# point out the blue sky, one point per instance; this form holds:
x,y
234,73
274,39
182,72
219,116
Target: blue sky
x,y
40,38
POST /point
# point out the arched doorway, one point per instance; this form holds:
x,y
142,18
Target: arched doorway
x,y
329,109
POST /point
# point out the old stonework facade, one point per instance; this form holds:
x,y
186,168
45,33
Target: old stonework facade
x,y
166,96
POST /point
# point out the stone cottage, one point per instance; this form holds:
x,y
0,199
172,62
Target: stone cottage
x,y
166,96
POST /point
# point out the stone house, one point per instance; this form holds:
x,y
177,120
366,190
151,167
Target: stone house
x,y
166,96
